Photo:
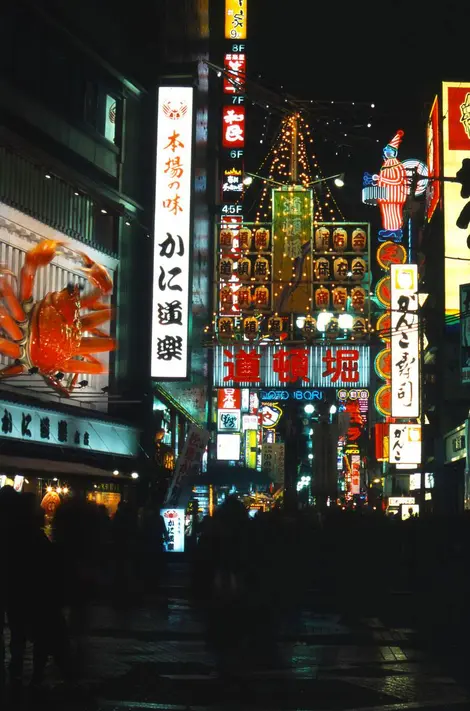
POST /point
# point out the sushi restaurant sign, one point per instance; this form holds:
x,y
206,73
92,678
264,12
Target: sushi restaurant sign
x,y
39,425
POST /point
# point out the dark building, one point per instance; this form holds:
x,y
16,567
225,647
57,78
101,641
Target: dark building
x,y
77,167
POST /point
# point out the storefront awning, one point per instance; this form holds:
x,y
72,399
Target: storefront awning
x,y
44,467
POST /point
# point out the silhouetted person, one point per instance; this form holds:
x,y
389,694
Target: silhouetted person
x,y
124,541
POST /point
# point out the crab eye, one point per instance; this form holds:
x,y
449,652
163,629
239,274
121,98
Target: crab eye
x,y
70,288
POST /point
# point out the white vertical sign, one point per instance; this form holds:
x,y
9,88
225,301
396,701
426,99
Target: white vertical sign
x,y
171,251
405,444
405,340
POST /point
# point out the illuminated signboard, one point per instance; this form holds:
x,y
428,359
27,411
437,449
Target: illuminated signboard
x,y
404,444
465,333
405,340
415,481
174,524
278,366
232,182
234,78
228,447
236,19
171,255
233,126
433,160
456,147
229,399
228,420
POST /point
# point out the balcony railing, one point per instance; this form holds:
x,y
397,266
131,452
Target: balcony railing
x,y
31,189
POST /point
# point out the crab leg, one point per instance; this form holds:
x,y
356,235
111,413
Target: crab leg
x,y
92,300
40,256
90,366
10,298
9,348
10,370
95,319
96,274
10,326
94,344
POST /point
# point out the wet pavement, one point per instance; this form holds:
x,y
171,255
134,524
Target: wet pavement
x,y
155,656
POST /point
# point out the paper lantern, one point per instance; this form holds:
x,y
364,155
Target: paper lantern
x,y
359,240
359,327
250,327
244,269
275,325
244,238
226,298
244,297
226,238
358,298
321,269
225,327
340,239
309,328
358,269
340,268
322,239
262,300
262,239
322,298
340,298
261,270
226,268
332,328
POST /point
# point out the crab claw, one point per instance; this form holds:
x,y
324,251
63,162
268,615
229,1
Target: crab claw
x,y
96,274
41,255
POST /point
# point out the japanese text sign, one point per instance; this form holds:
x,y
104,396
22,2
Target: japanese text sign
x,y
455,148
174,524
433,160
171,260
234,78
404,444
405,340
228,420
189,461
38,425
229,399
233,126
304,367
236,19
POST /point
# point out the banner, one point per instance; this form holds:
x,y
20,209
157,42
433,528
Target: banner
x,y
189,461
273,461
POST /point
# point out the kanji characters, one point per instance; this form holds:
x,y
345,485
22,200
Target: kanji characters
x,y
172,204
174,167
344,365
243,366
169,313
169,348
174,142
291,365
162,284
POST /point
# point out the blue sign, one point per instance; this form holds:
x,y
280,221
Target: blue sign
x,y
276,395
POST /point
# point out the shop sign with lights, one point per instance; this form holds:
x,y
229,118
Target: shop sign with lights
x,y
232,181
404,444
228,420
41,426
174,525
235,72
229,399
236,16
233,126
433,194
455,149
277,366
172,234
405,376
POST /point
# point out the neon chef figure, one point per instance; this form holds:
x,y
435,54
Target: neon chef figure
x,y
394,179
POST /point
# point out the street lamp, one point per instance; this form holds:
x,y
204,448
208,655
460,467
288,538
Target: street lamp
x,y
338,180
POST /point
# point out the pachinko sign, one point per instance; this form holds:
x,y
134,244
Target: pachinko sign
x,y
405,365
170,320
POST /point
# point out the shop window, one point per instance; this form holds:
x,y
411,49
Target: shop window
x,y
102,111
110,118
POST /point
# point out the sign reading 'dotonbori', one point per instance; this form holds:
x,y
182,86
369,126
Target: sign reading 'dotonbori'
x,y
170,322
46,335
405,341
274,366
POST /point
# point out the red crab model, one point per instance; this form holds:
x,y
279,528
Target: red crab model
x,y
47,336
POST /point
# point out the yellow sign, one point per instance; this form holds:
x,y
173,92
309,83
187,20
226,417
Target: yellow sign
x,y
236,19
251,448
456,147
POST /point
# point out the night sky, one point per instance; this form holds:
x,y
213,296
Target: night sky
x,y
391,54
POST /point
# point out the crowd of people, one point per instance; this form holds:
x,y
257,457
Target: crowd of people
x,y
48,582
248,576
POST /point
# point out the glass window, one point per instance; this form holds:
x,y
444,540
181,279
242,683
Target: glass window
x,y
110,118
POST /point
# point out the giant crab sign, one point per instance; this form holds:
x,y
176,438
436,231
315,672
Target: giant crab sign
x,y
48,336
